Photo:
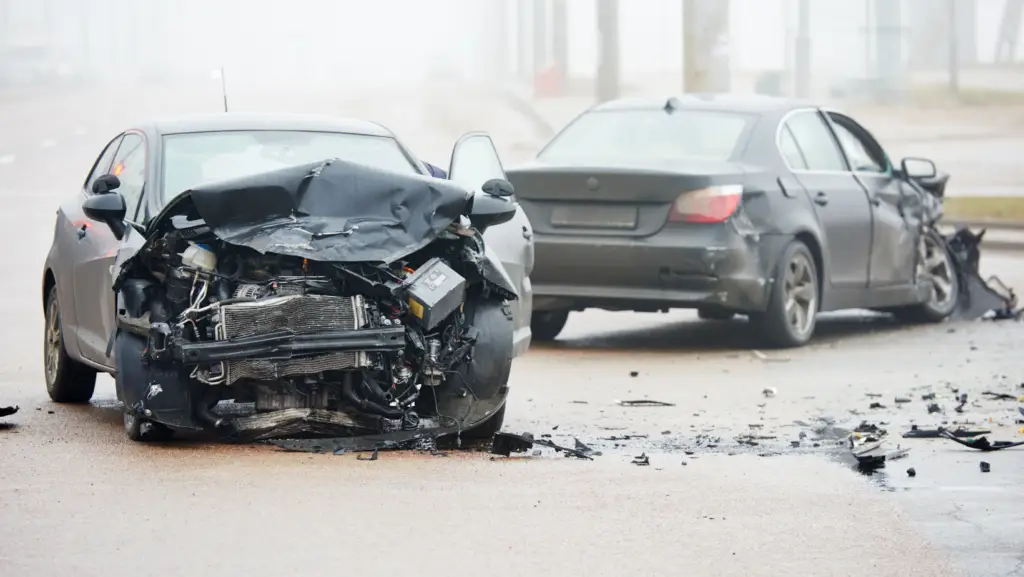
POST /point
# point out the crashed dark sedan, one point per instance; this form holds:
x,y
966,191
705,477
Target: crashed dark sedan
x,y
331,298
730,204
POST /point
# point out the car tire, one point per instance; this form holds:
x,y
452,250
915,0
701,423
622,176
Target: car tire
x,y
793,303
144,431
546,325
715,314
488,428
67,380
935,264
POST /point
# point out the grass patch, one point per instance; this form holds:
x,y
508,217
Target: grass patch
x,y
984,207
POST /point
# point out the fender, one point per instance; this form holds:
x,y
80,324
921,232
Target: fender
x,y
494,272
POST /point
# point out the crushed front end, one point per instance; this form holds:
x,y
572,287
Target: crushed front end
x,y
307,347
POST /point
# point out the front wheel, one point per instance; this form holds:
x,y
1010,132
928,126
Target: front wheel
x,y
792,310
67,381
935,265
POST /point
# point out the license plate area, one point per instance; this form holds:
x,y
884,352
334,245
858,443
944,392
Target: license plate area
x,y
594,216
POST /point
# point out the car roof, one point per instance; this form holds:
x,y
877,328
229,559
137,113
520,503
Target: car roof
x,y
726,102
228,121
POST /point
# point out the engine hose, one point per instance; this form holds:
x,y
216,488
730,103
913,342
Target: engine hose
x,y
348,392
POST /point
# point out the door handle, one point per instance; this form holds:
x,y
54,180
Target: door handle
x,y
821,199
82,231
875,201
527,233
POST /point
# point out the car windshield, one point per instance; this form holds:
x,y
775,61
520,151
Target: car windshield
x,y
195,159
650,135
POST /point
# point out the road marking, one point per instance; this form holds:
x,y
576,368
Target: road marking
x,y
7,159
48,144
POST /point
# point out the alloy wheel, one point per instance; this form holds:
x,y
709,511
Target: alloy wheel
x,y
801,294
53,342
934,266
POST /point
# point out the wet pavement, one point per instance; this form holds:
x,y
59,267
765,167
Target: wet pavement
x,y
76,497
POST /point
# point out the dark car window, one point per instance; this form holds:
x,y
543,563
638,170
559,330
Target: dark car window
x,y
643,134
791,150
194,159
815,139
102,165
864,155
130,168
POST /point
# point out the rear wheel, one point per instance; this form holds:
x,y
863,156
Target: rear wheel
x,y
67,381
545,325
935,265
793,305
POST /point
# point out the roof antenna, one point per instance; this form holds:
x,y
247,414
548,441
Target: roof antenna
x,y
224,88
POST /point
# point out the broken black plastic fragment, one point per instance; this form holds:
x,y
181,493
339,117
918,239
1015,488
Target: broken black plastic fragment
x,y
916,433
985,467
6,411
642,460
982,443
373,456
999,396
645,403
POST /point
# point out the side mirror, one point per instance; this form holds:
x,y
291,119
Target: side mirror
x,y
488,211
498,187
105,184
918,168
110,209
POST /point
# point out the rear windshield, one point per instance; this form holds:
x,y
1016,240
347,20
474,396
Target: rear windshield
x,y
194,159
650,135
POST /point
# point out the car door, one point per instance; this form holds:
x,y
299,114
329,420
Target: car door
x,y
94,297
77,237
839,199
894,236
475,160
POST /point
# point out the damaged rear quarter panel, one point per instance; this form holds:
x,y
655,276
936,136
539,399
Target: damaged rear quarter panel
x,y
774,211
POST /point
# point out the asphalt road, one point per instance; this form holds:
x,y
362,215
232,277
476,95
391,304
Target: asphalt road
x,y
77,498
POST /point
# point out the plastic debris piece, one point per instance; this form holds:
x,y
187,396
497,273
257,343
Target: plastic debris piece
x,y
645,403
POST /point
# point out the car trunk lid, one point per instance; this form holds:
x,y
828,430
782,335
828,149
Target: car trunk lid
x,y
632,200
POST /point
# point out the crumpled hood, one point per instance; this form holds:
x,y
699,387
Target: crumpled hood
x,y
332,211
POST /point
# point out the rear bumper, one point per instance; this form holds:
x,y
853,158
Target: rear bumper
x,y
701,266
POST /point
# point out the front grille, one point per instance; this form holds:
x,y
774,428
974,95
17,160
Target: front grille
x,y
295,314
299,314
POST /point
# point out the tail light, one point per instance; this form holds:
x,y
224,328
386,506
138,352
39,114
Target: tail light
x,y
712,204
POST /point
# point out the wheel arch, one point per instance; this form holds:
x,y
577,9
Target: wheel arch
x,y
49,281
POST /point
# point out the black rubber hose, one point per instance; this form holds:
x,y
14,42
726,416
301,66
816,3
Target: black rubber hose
x,y
348,392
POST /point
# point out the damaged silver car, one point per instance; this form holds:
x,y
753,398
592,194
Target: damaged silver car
x,y
323,298
733,205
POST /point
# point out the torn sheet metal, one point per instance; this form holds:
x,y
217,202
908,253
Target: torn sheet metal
x,y
978,297
332,211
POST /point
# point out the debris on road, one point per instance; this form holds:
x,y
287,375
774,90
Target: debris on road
x,y
982,443
644,403
373,456
642,461
999,396
963,402
901,400
985,467
423,440
877,406
505,444
911,472
934,408
7,411
770,392
916,433
634,374
978,297
928,397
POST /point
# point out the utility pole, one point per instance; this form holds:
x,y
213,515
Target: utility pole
x,y
706,46
608,50
540,36
560,40
523,39
802,54
954,48
889,46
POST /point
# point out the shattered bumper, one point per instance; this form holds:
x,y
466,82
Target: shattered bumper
x,y
676,268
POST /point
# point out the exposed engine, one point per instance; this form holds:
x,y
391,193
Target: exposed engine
x,y
287,333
